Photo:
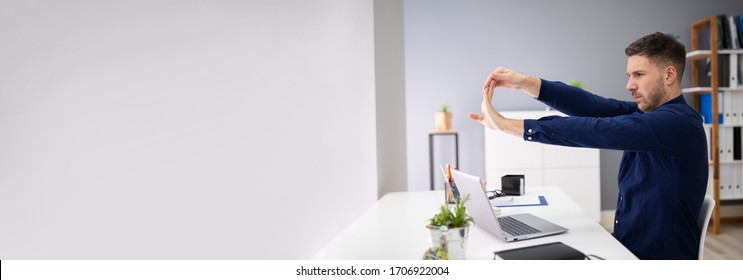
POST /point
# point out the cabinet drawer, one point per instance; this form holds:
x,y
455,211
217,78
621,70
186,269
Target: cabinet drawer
x,y
583,185
504,151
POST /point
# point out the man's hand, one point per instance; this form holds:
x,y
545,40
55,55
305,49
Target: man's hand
x,y
505,78
490,118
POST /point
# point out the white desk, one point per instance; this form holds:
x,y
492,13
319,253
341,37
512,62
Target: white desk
x,y
394,228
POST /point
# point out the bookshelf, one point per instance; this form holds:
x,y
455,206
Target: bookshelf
x,y
718,93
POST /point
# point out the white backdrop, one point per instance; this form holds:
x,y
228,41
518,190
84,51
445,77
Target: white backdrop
x,y
156,129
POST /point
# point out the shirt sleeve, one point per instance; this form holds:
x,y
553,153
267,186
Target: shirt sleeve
x,y
655,131
577,102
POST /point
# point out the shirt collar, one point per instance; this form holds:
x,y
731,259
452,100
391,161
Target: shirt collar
x,y
678,100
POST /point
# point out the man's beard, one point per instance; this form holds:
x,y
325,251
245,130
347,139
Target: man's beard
x,y
655,97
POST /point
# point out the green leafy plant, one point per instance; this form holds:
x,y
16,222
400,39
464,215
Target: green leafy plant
x,y
444,108
452,217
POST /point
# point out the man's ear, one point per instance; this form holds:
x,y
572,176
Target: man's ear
x,y
669,75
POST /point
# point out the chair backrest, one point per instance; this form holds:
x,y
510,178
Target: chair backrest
x,y
703,221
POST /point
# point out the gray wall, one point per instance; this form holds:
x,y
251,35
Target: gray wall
x,y
389,74
451,46
163,129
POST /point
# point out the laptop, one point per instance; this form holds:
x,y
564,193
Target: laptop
x,y
508,228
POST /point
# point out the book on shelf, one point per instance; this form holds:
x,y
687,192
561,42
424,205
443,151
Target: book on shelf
x,y
733,30
723,70
730,30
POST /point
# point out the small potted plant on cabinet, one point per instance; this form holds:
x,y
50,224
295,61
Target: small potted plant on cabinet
x,y
443,119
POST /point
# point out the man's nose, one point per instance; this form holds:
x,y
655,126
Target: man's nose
x,y
631,85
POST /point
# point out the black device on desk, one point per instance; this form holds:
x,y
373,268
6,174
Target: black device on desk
x,y
495,193
513,184
547,251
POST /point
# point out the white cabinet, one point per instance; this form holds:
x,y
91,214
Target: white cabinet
x,y
575,170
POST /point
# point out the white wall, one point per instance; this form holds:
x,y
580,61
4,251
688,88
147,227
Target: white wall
x,y
156,129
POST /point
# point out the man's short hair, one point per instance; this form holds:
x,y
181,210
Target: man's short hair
x,y
662,50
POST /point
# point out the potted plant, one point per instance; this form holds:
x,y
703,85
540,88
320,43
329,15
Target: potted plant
x,y
449,231
576,83
443,119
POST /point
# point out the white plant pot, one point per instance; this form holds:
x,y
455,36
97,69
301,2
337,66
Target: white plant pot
x,y
455,238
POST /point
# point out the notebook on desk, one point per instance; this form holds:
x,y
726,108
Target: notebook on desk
x,y
507,228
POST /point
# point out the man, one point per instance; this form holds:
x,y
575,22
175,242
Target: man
x,y
663,173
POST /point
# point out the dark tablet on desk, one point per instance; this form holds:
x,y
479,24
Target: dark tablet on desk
x,y
547,251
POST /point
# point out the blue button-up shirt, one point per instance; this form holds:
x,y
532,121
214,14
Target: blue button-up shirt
x,y
663,173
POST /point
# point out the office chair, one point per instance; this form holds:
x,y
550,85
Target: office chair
x,y
703,221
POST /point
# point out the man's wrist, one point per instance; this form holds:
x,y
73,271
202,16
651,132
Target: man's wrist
x,y
533,84
511,126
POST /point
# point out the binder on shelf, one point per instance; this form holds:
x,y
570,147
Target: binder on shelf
x,y
730,144
733,71
729,187
736,143
721,143
720,107
738,180
729,181
721,187
727,107
725,143
733,111
705,107
723,70
736,177
725,178
721,39
733,29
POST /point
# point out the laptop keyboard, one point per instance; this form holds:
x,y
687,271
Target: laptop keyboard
x,y
515,227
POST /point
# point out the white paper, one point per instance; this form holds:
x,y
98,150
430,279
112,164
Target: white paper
x,y
515,200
